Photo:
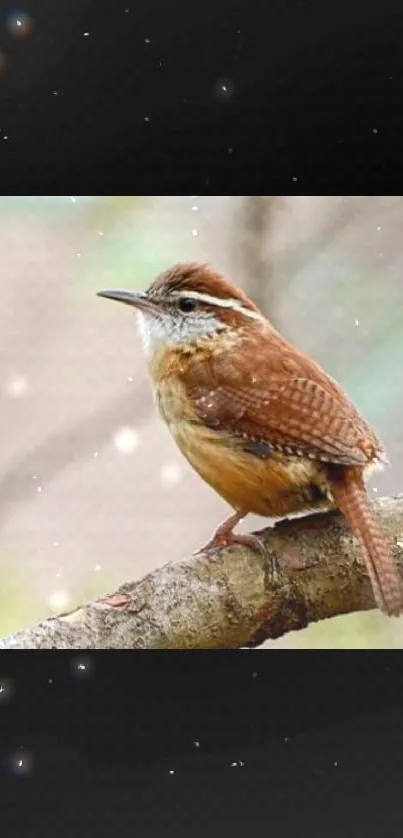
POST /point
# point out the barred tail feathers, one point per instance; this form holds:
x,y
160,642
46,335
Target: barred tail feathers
x,y
350,495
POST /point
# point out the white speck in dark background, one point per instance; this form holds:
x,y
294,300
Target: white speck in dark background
x,y
6,690
19,24
21,763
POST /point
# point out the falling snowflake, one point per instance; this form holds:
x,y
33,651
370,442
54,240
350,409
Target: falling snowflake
x,y
126,440
171,474
81,666
6,689
21,763
58,600
20,24
17,387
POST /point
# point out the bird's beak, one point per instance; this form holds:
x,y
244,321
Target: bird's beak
x,y
138,299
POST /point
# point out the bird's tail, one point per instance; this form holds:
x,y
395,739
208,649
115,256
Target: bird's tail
x,y
350,495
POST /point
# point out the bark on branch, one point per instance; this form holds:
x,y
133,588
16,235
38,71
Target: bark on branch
x,y
312,570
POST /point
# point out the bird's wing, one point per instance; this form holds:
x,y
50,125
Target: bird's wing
x,y
284,402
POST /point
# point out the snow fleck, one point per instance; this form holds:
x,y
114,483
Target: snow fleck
x,y
17,387
81,666
58,599
21,764
171,474
20,24
126,440
6,689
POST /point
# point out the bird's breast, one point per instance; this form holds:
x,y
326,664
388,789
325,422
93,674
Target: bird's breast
x,y
272,486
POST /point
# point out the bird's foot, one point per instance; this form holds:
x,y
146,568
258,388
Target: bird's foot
x,y
227,540
224,536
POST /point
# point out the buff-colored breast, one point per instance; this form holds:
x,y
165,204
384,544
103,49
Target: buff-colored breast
x,y
272,487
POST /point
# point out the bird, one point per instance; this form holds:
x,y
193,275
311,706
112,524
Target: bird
x,y
259,420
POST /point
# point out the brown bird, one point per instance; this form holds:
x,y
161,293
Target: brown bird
x,y
258,420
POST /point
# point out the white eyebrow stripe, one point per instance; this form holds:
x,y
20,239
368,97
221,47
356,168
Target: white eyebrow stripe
x,y
220,302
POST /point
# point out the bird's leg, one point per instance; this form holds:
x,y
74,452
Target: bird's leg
x,y
224,535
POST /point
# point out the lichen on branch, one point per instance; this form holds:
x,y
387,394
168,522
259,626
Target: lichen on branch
x,y
312,569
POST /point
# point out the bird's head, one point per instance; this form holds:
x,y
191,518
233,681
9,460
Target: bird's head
x,y
188,302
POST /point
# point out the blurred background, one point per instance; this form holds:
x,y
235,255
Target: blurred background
x,y
93,491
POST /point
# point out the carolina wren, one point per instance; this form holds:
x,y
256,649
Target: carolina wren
x,y
258,420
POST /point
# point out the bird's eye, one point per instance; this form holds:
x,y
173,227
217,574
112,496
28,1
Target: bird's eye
x,y
186,304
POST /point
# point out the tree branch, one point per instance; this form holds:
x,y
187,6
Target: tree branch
x,y
312,569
